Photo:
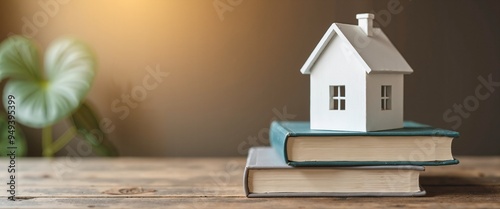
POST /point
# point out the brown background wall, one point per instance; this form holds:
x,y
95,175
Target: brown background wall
x,y
230,75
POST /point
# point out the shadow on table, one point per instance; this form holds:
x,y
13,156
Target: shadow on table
x,y
452,185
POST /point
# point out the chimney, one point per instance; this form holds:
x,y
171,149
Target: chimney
x,y
365,22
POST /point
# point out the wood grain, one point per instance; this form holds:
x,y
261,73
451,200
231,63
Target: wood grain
x,y
217,183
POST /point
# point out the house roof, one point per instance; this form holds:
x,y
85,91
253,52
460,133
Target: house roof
x,y
375,53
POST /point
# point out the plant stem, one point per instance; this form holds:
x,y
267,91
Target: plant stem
x,y
47,142
64,139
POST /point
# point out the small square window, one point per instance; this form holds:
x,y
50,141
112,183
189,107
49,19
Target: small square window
x,y
337,98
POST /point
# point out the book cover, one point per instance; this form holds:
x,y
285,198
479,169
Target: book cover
x,y
281,132
265,158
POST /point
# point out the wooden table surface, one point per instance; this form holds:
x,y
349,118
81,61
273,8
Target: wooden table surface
x,y
71,182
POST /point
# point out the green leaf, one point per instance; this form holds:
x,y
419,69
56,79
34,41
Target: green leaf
x,y
19,59
45,100
20,140
88,127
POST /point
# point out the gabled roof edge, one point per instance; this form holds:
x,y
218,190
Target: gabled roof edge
x,y
306,68
352,50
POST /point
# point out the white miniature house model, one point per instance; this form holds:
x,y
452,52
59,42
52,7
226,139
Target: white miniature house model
x,y
356,79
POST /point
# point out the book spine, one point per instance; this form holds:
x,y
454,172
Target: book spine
x,y
251,161
278,137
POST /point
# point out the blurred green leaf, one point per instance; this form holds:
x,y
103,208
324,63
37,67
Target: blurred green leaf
x,y
20,141
45,97
19,59
88,127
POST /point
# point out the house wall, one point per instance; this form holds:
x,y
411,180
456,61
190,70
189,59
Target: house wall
x,y
378,119
335,66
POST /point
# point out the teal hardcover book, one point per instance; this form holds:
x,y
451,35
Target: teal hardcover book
x,y
415,144
266,175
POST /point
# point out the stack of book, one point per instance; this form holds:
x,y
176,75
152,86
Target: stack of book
x,y
305,162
